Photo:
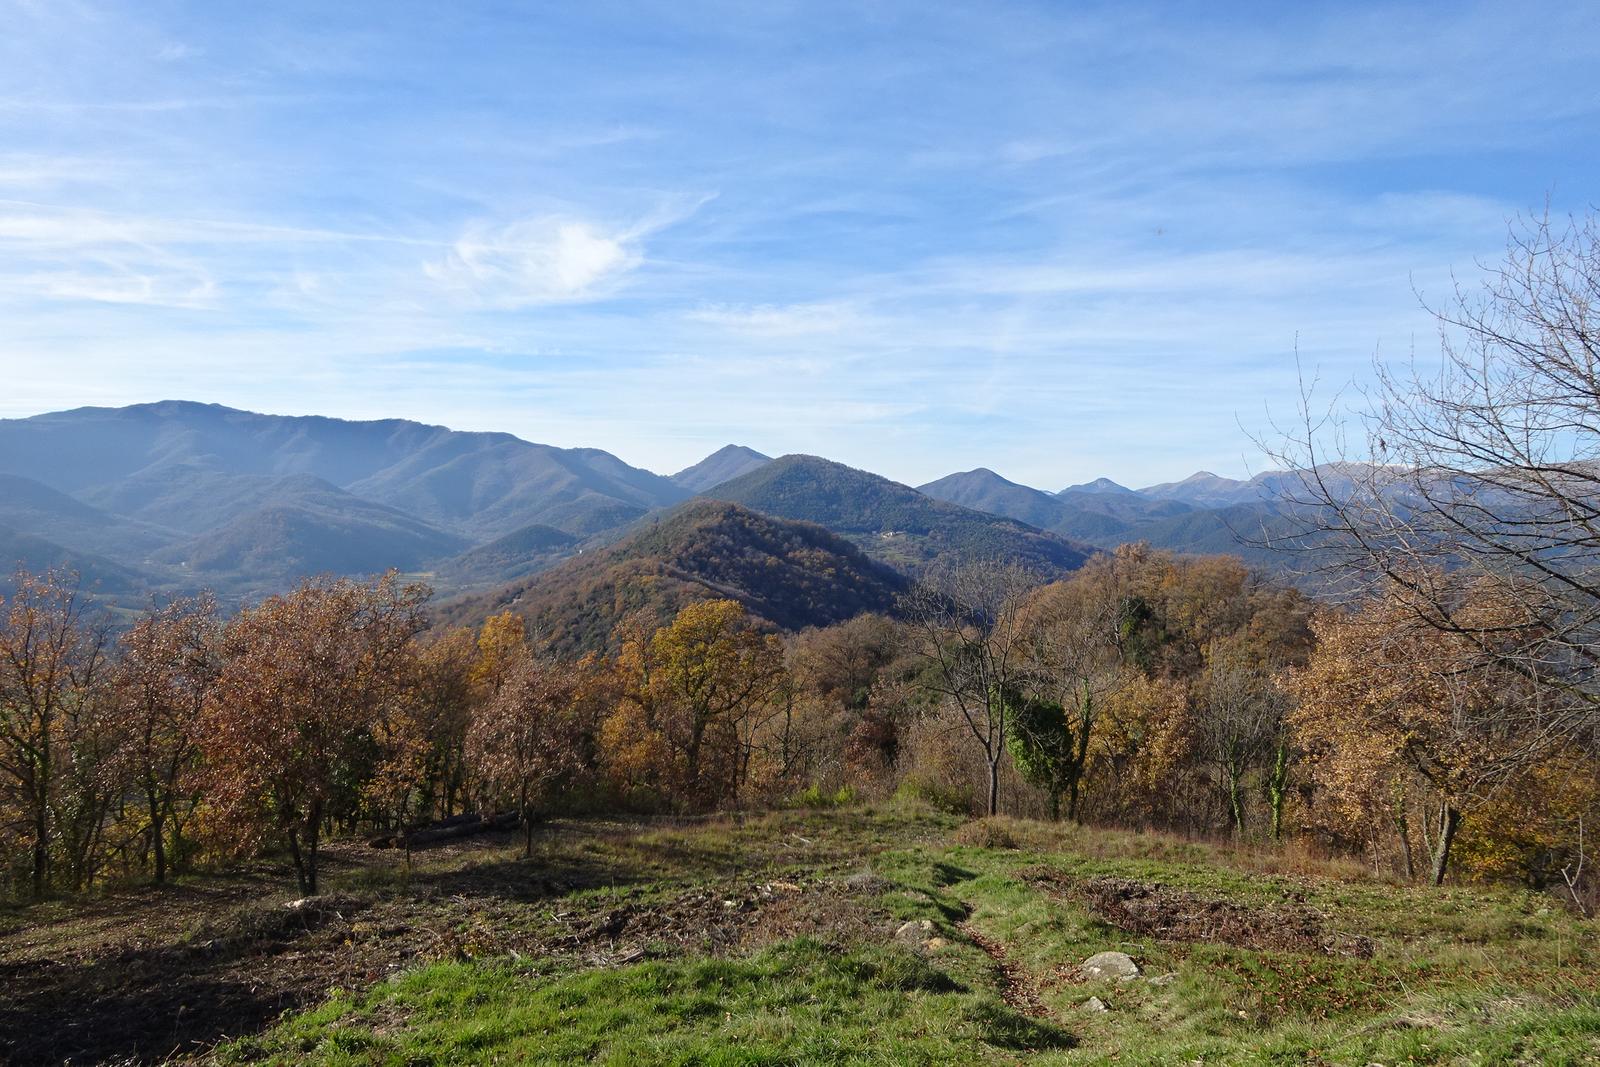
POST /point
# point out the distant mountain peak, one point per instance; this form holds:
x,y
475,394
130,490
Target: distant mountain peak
x,y
723,465
1204,489
1099,485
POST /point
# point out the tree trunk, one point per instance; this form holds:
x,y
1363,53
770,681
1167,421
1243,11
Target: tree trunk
x,y
312,839
994,785
527,826
1080,759
1402,827
1055,805
1278,789
176,850
691,756
1449,822
158,843
300,874
1235,801
41,845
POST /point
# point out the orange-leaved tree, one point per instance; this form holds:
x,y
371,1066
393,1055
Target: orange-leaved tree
x,y
533,737
287,732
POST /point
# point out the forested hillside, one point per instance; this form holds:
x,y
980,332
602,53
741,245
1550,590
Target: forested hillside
x,y
789,574
892,522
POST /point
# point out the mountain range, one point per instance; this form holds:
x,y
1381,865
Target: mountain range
x,y
173,496
1201,514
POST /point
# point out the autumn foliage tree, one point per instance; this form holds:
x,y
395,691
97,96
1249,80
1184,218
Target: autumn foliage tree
x,y
287,730
167,665
1395,713
689,690
966,627
523,742
51,734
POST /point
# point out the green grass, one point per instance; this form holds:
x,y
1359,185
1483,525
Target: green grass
x,y
798,1002
1459,976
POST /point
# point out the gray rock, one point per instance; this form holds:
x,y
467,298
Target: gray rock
x,y
1118,965
1164,979
915,932
1095,1004
867,882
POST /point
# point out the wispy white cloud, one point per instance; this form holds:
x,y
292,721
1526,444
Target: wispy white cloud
x,y
782,320
535,261
1061,243
177,51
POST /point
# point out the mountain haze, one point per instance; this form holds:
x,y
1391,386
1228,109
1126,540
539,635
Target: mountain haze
x,y
175,496
164,461
308,526
181,495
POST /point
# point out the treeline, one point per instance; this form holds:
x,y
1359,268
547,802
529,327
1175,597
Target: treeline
x,y
1145,691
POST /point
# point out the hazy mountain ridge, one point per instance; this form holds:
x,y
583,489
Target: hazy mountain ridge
x,y
178,495
26,504
984,490
307,526
1203,513
98,575
184,494
521,552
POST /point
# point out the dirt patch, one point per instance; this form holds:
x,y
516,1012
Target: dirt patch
x,y
1016,986
721,920
1150,909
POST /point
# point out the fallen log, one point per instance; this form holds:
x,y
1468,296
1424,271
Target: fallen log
x,y
447,830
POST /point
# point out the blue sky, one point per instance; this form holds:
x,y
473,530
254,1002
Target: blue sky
x,y
1059,240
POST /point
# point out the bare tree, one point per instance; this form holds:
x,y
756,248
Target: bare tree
x,y
522,742
1241,720
966,626
1483,475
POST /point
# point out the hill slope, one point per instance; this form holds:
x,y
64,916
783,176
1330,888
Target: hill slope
x,y
32,506
307,526
520,552
894,523
1244,956
792,574
96,574
984,490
